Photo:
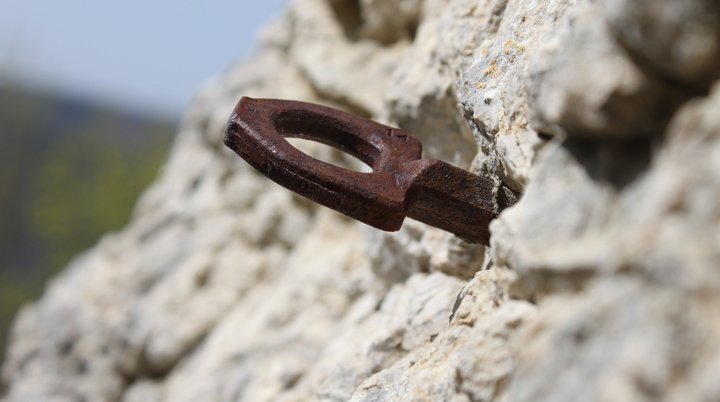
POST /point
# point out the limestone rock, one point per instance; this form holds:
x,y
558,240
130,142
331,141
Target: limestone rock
x,y
600,284
676,39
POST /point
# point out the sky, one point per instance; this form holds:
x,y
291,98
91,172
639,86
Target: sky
x,y
148,55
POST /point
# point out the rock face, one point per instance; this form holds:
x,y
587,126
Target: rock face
x,y
601,284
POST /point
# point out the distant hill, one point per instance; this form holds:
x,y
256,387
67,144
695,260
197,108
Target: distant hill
x,y
70,170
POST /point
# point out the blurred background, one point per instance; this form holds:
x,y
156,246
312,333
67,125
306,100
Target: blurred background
x,y
90,95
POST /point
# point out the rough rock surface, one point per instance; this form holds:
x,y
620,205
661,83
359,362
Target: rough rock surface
x,y
601,284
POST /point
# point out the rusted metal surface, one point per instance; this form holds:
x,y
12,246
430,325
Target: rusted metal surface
x,y
401,182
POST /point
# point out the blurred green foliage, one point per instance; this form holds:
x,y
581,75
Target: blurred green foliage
x,y
70,171
85,188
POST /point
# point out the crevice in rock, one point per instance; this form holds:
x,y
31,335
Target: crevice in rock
x,y
532,286
480,132
690,88
546,136
459,387
412,28
685,89
500,386
203,277
458,301
193,186
384,29
348,14
618,162
65,348
497,16
290,382
441,126
160,225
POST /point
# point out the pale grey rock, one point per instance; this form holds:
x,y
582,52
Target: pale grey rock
x,y
396,256
411,315
628,229
265,344
583,80
177,312
143,391
622,339
65,353
470,361
637,271
493,84
422,97
676,39
480,359
600,284
339,67
417,247
453,256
